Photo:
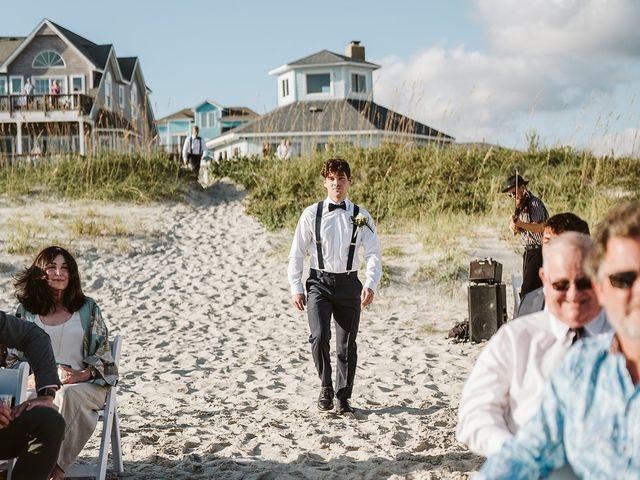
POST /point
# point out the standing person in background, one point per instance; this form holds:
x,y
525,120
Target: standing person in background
x,y
284,150
332,232
528,221
194,150
27,91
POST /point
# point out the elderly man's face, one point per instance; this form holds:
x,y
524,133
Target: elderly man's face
x,y
618,287
567,289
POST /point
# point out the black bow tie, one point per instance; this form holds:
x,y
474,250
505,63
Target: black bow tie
x,y
333,206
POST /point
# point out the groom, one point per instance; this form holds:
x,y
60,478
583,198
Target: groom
x,y
332,231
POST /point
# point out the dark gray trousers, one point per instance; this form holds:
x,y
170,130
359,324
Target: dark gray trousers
x,y
336,294
34,438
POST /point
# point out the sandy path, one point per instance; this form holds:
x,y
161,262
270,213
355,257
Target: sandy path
x,y
217,378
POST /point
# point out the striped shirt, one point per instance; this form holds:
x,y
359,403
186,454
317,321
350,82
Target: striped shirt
x,y
532,211
588,419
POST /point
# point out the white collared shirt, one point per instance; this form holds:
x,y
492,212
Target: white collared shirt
x,y
195,145
505,386
335,232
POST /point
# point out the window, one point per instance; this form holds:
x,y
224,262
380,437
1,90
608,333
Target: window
x,y
134,101
318,83
15,85
285,87
358,83
3,85
77,84
42,86
47,59
208,119
121,96
108,99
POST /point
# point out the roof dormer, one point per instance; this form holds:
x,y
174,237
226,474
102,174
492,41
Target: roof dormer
x,y
327,76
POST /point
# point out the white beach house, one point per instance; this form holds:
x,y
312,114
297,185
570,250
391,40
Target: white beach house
x,y
325,98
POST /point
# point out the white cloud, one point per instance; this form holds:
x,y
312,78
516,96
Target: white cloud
x,y
583,27
542,67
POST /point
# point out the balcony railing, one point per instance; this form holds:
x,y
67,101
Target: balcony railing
x,y
76,102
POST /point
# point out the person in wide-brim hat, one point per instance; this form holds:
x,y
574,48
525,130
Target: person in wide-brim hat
x,y
527,221
512,182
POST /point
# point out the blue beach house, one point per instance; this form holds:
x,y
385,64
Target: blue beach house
x,y
212,118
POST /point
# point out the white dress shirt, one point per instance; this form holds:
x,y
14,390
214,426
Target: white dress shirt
x,y
194,145
505,386
335,232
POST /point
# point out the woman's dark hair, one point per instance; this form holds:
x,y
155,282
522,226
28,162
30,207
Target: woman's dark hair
x,y
33,291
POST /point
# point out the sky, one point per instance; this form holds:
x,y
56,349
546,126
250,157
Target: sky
x,y
562,72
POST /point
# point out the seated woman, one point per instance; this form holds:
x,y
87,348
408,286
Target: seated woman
x,y
50,296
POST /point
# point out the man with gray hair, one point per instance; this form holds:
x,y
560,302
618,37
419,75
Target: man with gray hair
x,y
505,386
588,416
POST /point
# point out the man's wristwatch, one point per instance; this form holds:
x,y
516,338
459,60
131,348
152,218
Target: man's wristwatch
x,y
47,392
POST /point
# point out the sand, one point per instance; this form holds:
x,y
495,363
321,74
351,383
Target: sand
x,y
217,379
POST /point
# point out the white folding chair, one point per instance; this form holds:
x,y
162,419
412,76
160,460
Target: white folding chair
x,y
110,433
13,381
516,284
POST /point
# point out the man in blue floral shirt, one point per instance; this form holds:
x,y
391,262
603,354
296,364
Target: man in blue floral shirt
x,y
590,412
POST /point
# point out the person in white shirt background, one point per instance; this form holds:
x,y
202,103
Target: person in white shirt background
x,y
194,150
284,151
332,231
505,386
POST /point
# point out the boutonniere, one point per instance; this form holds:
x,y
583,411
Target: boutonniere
x,y
361,221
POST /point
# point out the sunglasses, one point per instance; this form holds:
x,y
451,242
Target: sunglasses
x,y
583,283
623,280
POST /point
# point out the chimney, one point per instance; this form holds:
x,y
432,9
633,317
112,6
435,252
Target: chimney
x,y
355,50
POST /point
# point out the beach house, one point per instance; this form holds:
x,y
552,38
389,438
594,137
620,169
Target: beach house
x,y
212,118
323,99
102,104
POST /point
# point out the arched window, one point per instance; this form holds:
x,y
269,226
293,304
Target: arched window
x,y
108,95
48,59
134,101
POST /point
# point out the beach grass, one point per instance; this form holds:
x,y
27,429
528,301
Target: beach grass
x,y
438,185
110,177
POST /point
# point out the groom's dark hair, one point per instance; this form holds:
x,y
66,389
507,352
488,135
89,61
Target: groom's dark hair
x,y
335,165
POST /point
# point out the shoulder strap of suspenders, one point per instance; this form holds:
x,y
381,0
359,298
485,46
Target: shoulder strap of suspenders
x,y
318,237
352,245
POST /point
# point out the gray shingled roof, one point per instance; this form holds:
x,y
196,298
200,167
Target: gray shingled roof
x,y
325,56
336,115
185,113
8,46
97,54
126,66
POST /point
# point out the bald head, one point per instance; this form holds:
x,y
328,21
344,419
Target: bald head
x,y
579,243
567,288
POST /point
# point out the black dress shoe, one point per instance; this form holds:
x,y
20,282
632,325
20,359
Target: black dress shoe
x,y
325,400
344,407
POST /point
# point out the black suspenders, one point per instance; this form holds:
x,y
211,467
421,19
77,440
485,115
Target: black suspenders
x,y
318,238
352,245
